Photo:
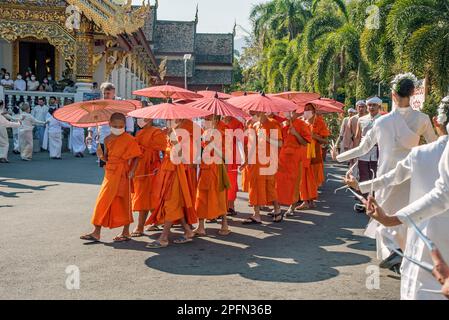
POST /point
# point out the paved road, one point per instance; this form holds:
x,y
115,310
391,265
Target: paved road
x,y
46,205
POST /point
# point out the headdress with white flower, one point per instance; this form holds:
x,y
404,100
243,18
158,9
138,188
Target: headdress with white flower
x,y
400,77
443,111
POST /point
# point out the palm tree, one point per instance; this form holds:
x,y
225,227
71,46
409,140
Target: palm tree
x,y
420,28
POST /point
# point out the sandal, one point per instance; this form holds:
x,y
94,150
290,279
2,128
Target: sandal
x,y
290,213
199,234
121,239
137,234
156,245
251,220
183,240
153,228
224,232
275,217
89,237
231,212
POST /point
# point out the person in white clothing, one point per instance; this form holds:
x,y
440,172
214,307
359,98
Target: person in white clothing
x,y
53,136
415,168
19,83
77,141
32,84
40,112
396,134
26,132
4,140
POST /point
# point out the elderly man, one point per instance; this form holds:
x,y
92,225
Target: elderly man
x,y
343,142
368,162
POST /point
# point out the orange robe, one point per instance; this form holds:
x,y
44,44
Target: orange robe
x,y
211,197
233,167
291,158
320,128
171,194
191,168
151,141
262,188
313,168
113,207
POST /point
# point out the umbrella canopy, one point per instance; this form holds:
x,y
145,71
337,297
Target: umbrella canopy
x,y
262,103
321,106
94,112
297,97
169,111
167,92
218,107
333,102
88,125
211,94
243,93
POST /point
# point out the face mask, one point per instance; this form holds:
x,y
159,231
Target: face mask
x,y
117,132
19,77
6,77
308,115
141,123
33,78
49,78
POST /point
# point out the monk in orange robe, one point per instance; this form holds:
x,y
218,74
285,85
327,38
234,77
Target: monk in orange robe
x,y
151,140
233,167
213,183
313,175
261,176
296,136
172,196
113,207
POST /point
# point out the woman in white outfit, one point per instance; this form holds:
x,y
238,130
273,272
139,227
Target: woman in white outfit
x,y
417,168
4,139
76,141
26,132
53,136
395,134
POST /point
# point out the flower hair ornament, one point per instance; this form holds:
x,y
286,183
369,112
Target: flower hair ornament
x,y
400,77
443,110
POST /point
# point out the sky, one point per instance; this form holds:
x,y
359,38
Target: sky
x,y
215,16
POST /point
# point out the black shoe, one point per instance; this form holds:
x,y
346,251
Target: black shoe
x,y
396,268
16,152
391,261
3,160
231,212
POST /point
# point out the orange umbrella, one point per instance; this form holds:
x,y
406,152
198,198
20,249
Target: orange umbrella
x,y
94,112
211,94
297,97
167,92
333,102
321,106
243,93
262,103
217,107
169,111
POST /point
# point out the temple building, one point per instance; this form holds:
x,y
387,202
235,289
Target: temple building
x,y
89,41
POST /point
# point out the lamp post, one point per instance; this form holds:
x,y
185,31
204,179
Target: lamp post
x,y
187,57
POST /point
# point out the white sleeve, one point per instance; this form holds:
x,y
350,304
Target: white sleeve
x,y
367,143
434,202
8,124
396,176
429,132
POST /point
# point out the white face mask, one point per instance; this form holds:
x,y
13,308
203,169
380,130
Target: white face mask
x,y
141,123
308,115
117,132
19,77
33,78
6,77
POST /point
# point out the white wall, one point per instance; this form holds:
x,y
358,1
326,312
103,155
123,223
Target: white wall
x,y
6,55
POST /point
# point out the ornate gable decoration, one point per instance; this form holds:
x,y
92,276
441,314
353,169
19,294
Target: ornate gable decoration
x,y
112,17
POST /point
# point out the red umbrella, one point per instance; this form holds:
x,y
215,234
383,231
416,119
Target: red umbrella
x,y
243,93
211,94
263,103
94,112
321,106
167,92
217,107
169,111
333,102
297,97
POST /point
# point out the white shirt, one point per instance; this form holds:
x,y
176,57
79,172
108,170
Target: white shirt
x,y
20,85
7,83
366,124
28,121
8,124
40,112
33,85
55,126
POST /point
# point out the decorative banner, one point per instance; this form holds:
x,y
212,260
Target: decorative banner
x,y
417,100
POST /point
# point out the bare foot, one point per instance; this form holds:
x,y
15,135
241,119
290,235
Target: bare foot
x,y
199,233
224,232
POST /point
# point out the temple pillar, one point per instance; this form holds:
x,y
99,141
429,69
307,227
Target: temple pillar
x,y
84,59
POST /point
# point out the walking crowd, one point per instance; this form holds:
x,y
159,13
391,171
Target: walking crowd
x,y
397,167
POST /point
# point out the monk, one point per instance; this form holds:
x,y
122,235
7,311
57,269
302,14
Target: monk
x,y
262,185
296,135
232,168
113,207
213,183
313,173
172,194
151,141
